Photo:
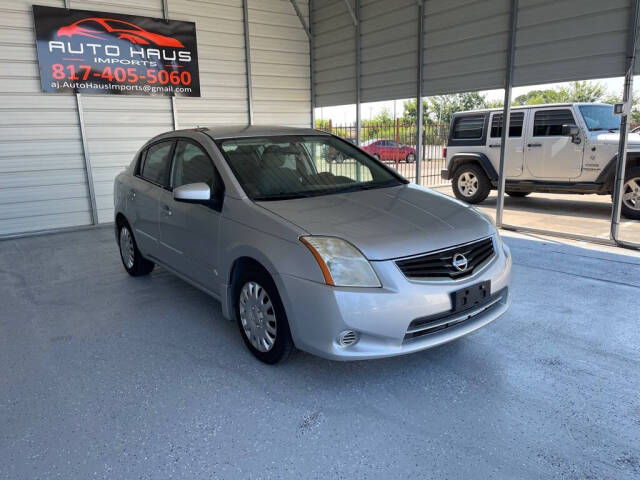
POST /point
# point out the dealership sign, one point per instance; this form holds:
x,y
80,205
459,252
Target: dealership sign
x,y
110,53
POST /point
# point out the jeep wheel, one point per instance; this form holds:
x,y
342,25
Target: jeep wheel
x,y
470,183
631,194
517,194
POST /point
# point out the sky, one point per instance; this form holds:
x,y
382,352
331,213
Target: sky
x,y
346,114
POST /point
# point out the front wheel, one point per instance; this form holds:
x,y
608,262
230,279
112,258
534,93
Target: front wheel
x,y
261,317
631,194
470,183
134,263
376,156
410,158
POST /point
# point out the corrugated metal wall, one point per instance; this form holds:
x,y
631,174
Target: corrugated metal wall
x,y
117,125
561,40
334,53
279,63
43,182
465,45
389,49
42,176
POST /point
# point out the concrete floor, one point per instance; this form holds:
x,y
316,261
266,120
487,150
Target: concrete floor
x,y
107,376
586,215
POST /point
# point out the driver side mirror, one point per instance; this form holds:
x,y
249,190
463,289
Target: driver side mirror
x,y
193,193
571,131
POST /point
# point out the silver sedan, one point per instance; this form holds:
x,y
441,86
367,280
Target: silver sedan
x,y
308,241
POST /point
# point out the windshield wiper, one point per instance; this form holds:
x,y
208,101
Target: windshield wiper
x,y
281,196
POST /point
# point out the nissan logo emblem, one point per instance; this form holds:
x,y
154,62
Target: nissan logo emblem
x,y
460,262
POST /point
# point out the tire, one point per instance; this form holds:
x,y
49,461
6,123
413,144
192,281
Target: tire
x,y
470,184
132,260
631,190
518,194
376,156
261,317
410,158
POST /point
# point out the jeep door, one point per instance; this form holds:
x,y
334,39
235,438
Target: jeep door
x,y
548,154
189,232
514,152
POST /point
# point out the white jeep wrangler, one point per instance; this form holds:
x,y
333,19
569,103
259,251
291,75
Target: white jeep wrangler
x,y
563,148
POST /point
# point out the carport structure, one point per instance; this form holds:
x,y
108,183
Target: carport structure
x,y
366,52
275,61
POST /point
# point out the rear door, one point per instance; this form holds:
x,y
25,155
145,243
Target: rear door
x,y
548,154
151,180
514,152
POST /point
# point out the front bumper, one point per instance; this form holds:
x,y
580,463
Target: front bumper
x,y
382,317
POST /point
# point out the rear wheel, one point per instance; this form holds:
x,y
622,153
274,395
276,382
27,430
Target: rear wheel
x,y
518,194
410,158
261,317
631,194
470,183
134,263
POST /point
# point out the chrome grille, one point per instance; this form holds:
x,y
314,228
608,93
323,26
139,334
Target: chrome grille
x,y
440,264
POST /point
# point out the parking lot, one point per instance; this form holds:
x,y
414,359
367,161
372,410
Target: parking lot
x,y
107,376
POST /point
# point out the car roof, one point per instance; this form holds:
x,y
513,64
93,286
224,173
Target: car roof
x,y
522,107
242,131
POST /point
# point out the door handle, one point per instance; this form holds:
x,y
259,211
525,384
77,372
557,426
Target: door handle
x,y
494,145
166,210
530,145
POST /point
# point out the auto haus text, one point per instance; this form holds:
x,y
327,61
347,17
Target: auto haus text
x,y
112,53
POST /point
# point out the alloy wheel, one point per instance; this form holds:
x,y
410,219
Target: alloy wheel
x,y
257,316
468,184
631,194
126,247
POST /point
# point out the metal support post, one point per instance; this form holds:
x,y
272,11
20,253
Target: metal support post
x,y
506,111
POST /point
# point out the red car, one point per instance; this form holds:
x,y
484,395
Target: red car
x,y
103,28
386,150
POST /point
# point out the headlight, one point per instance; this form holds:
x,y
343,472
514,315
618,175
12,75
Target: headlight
x,y
342,264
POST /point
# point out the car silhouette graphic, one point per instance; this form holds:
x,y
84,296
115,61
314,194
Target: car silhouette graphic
x,y
102,28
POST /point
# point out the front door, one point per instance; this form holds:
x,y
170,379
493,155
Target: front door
x,y
514,152
189,233
549,155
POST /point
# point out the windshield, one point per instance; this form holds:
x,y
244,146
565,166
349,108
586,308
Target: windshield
x,y
599,117
278,168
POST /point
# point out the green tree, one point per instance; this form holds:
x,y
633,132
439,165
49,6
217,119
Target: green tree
x,y
584,91
440,108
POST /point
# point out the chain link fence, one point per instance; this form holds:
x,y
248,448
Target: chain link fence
x,y
395,144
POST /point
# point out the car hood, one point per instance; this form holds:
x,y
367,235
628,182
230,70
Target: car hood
x,y
613,139
387,223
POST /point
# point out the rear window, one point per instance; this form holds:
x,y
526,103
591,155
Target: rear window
x,y
548,123
515,125
156,163
468,127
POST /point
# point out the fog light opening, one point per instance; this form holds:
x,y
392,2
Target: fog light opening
x,y
347,338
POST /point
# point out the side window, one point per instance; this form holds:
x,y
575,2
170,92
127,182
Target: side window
x,y
468,127
549,123
515,125
156,163
192,165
